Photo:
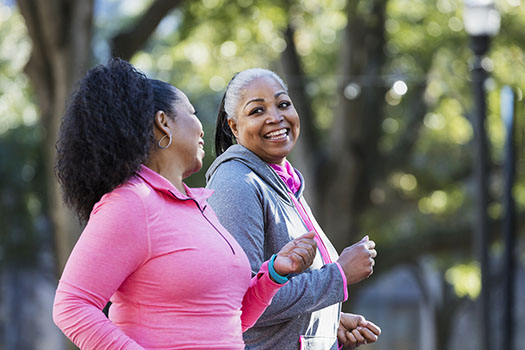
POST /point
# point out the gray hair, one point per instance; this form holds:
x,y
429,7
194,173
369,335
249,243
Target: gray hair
x,y
236,87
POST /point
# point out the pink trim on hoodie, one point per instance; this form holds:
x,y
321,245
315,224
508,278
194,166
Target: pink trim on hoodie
x,y
176,277
293,182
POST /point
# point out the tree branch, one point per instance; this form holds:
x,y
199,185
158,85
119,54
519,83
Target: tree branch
x,y
132,39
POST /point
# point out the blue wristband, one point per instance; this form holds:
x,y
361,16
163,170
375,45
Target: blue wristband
x,y
276,277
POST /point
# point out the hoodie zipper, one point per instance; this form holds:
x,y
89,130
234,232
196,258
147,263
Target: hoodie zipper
x,y
205,217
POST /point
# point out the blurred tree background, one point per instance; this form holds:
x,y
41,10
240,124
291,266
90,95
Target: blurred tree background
x,y
384,93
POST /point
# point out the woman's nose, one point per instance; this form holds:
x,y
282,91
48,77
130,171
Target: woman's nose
x,y
274,117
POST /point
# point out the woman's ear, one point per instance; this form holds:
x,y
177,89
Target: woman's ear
x,y
161,122
233,126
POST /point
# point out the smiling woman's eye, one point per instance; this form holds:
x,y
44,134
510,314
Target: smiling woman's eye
x,y
256,110
284,104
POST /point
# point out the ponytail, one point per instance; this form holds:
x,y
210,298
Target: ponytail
x,y
223,134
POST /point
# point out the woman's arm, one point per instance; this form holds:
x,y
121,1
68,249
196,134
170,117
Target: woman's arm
x,y
294,257
112,246
238,204
258,296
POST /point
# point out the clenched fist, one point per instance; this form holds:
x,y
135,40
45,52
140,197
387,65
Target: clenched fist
x,y
357,260
297,255
355,330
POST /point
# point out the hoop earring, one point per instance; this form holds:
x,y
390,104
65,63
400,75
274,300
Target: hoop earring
x,y
162,138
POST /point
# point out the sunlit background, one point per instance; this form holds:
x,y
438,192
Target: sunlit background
x,y
418,194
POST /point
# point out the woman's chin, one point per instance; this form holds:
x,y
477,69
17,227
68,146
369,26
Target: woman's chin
x,y
281,153
274,158
196,169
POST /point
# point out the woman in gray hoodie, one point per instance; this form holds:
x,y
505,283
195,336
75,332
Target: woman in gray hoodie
x,y
259,199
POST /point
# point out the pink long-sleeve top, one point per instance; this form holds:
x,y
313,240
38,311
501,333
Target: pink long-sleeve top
x,y
177,279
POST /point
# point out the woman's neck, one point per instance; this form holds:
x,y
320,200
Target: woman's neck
x,y
168,170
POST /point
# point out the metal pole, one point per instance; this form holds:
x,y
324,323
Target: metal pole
x,y
509,259
480,46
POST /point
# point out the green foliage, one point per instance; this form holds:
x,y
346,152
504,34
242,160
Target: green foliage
x,y
199,46
22,188
15,101
466,279
427,47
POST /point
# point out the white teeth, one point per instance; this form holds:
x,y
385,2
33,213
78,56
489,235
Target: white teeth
x,y
276,133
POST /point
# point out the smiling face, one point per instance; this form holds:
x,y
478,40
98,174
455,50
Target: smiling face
x,y
266,121
188,143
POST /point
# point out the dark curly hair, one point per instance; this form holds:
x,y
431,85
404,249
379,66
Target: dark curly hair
x,y
107,131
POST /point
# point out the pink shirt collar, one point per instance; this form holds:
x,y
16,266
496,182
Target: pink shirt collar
x,y
288,175
160,183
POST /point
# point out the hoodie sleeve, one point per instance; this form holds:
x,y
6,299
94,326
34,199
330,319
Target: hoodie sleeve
x,y
238,197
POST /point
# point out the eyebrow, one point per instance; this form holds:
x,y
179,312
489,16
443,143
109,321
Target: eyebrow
x,y
254,100
259,99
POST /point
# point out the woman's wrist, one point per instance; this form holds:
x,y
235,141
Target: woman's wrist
x,y
274,275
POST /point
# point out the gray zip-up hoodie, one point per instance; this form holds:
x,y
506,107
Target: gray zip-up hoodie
x,y
253,204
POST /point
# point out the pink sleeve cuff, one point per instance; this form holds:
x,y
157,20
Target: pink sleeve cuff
x,y
258,297
267,287
345,285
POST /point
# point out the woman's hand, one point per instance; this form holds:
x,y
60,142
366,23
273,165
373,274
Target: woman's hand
x,y
357,260
355,330
297,255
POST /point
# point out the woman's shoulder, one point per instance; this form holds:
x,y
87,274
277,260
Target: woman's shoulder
x,y
133,187
128,194
235,179
237,161
231,170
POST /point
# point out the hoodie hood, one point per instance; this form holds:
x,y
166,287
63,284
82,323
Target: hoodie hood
x,y
258,166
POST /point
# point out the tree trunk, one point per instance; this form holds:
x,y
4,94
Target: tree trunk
x,y
356,129
132,39
61,32
61,35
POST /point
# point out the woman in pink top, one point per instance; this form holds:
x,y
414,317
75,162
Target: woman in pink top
x,y
176,278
